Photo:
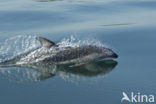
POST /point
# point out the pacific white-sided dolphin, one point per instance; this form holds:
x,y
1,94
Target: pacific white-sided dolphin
x,y
84,52
51,52
51,59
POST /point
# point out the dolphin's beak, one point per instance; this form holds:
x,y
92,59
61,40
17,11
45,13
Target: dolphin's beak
x,y
115,55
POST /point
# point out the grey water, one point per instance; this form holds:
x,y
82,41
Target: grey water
x,y
126,26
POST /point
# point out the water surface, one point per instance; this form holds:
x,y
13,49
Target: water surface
x,y
128,27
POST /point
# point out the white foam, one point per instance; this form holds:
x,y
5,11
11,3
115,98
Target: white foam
x,y
16,45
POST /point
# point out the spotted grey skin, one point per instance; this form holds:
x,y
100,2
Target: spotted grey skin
x,y
80,52
93,52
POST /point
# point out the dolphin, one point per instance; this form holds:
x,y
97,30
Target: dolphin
x,y
53,53
51,59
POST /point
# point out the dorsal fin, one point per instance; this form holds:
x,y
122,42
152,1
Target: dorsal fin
x,y
45,42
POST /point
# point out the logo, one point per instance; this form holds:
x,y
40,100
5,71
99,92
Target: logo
x,y
132,97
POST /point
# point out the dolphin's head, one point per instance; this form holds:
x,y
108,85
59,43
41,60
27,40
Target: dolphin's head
x,y
108,53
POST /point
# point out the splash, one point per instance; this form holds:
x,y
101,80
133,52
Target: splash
x,y
74,42
16,45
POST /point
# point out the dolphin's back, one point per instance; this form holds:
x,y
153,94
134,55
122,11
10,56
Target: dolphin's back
x,y
74,53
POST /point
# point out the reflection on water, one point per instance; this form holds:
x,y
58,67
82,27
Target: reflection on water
x,y
40,71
